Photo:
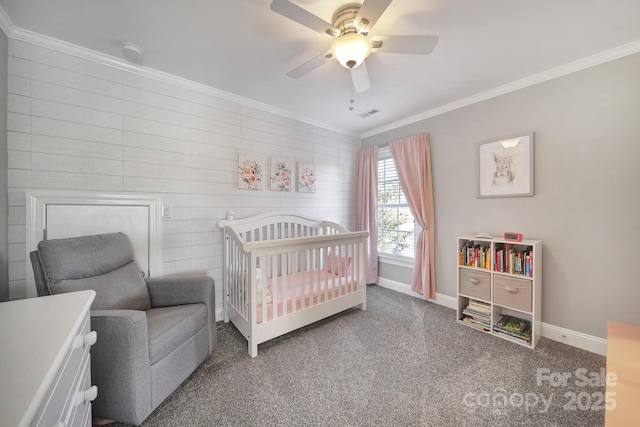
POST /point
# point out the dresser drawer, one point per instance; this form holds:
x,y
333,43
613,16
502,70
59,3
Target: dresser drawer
x,y
475,283
61,394
512,292
81,402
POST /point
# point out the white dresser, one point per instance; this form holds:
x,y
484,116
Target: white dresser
x,y
45,376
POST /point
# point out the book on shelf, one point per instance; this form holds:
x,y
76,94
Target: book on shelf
x,y
513,326
479,305
470,321
478,315
526,337
474,255
513,259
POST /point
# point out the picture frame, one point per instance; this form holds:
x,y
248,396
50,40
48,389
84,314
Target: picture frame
x,y
505,167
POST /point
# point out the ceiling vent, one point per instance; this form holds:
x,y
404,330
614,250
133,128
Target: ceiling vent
x,y
369,113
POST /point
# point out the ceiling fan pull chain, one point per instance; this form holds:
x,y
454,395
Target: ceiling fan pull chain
x,y
351,101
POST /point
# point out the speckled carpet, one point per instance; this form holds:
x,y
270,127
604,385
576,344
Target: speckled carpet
x,y
402,362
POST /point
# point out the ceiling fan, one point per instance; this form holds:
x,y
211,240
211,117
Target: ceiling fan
x,y
351,46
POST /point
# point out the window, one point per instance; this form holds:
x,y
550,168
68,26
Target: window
x,y
396,226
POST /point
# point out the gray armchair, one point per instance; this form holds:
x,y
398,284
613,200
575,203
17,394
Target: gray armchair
x,y
152,334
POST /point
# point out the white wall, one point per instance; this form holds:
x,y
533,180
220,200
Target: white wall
x,y
78,124
587,189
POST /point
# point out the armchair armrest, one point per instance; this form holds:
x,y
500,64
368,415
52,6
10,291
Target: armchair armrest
x,y
120,365
186,290
175,291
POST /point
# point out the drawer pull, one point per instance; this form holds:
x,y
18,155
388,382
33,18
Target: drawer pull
x,y
510,289
91,394
90,338
474,281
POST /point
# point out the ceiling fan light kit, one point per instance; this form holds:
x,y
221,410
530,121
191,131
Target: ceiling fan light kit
x,y
351,49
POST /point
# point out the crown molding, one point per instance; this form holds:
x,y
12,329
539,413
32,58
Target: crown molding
x,y
6,24
563,70
41,40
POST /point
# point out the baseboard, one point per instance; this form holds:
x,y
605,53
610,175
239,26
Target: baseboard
x,y
552,332
575,339
403,288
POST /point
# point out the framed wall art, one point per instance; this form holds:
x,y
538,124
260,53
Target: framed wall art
x,y
282,174
250,172
306,177
505,167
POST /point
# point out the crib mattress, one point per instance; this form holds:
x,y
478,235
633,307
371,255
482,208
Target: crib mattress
x,y
304,289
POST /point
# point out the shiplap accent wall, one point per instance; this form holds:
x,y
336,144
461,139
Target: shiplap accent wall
x,y
76,124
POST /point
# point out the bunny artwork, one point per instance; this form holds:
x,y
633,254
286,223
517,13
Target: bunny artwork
x,y
504,172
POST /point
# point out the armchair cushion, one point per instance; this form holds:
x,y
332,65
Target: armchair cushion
x,y
86,256
169,327
103,263
193,290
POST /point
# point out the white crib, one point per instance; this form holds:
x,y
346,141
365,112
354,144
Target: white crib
x,y
284,271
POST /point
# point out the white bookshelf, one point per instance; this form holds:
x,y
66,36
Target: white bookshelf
x,y
515,291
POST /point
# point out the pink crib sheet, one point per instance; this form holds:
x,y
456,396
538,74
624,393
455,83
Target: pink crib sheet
x,y
312,286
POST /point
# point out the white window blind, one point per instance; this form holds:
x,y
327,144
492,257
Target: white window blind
x,y
396,226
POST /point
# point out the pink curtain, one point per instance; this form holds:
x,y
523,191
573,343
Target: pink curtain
x,y
412,157
367,206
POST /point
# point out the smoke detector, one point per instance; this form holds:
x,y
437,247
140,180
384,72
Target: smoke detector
x,y
132,52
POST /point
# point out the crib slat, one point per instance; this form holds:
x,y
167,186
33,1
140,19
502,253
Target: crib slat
x,y
297,259
240,303
234,279
234,274
228,270
239,286
303,291
358,280
326,274
354,267
272,274
346,273
290,260
318,282
341,254
334,251
242,287
277,283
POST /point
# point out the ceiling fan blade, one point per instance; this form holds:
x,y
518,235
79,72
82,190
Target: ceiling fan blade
x,y
308,66
414,45
360,78
304,17
371,10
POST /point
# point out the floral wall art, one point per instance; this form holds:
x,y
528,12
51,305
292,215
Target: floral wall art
x,y
282,174
306,177
250,172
